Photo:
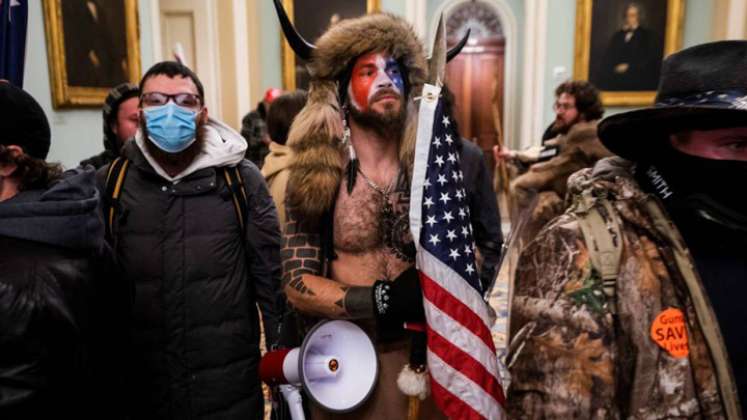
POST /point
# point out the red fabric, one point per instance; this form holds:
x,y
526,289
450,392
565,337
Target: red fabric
x,y
271,367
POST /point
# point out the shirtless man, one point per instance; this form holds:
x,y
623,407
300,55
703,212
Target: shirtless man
x,y
348,252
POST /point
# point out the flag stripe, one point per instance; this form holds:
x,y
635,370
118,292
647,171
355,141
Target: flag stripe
x,y
461,338
452,283
452,406
466,364
456,310
464,389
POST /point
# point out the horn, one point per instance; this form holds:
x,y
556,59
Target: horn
x,y
456,49
301,47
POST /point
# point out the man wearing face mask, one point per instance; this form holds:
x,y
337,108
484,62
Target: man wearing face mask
x,y
348,252
200,263
630,305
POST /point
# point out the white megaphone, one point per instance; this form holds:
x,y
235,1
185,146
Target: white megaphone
x,y
336,365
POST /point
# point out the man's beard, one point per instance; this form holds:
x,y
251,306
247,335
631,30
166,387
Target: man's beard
x,y
559,127
389,124
175,160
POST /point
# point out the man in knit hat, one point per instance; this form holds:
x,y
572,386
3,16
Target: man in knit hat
x,y
60,306
631,304
120,115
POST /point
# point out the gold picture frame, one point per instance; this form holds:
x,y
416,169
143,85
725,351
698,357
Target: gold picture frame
x,y
289,57
672,42
73,84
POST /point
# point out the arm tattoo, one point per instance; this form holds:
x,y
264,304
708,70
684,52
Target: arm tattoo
x,y
300,255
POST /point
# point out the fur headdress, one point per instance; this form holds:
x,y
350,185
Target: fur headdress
x,y
316,133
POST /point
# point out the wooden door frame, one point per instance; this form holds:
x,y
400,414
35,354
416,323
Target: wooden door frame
x,y
512,99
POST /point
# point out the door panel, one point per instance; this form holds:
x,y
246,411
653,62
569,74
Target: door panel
x,y
476,78
192,23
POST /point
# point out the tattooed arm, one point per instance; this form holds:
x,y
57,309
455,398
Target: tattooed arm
x,y
310,293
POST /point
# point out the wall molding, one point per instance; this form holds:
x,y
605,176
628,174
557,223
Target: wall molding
x,y
415,13
736,24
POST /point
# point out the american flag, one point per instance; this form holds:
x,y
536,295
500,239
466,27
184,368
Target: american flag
x,y
461,355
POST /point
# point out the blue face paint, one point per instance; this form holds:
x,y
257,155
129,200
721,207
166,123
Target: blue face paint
x,y
394,71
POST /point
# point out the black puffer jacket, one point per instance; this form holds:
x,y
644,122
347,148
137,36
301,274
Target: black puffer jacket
x,y
198,279
61,311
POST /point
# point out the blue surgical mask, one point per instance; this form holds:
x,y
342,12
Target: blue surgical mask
x,y
171,127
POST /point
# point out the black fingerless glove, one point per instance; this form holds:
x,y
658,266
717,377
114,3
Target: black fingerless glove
x,y
399,301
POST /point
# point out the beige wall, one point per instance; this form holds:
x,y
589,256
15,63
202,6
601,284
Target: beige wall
x,y
730,19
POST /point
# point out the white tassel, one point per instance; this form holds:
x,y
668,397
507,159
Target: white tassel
x,y
413,383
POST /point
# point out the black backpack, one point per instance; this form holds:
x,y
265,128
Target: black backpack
x,y
117,172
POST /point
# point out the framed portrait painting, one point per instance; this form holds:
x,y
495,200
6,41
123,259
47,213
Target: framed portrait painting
x,y
311,19
92,46
620,45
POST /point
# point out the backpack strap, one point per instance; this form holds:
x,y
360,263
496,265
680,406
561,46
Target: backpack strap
x,y
238,193
114,182
602,235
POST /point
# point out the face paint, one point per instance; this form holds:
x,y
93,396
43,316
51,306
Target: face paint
x,y
372,73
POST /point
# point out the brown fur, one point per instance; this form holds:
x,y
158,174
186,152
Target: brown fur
x,y
315,135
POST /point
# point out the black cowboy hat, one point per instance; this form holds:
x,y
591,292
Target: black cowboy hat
x,y
702,87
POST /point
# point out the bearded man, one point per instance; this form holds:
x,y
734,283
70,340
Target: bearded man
x,y
578,108
199,265
348,252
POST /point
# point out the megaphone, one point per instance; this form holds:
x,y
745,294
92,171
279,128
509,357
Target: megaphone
x,y
336,365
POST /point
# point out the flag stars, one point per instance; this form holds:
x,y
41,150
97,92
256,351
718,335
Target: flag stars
x,y
451,235
439,160
467,250
434,240
446,122
465,232
449,140
437,142
431,221
444,197
461,213
427,183
428,202
453,254
442,180
448,217
454,176
451,158
470,269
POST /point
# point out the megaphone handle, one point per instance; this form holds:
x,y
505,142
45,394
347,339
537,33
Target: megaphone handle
x,y
295,404
413,408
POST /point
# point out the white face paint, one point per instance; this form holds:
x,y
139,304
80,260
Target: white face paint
x,y
375,77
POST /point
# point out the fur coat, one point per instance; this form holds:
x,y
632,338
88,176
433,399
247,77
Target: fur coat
x,y
316,133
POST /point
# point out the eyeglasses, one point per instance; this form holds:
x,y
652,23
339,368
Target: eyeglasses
x,y
187,100
558,106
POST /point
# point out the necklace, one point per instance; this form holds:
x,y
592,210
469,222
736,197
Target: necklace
x,y
393,227
384,192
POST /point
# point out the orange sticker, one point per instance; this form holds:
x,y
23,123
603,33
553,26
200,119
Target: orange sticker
x,y
669,331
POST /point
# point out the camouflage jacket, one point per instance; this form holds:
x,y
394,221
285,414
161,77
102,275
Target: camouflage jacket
x,y
581,350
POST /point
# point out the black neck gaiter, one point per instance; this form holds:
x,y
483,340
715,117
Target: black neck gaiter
x,y
708,189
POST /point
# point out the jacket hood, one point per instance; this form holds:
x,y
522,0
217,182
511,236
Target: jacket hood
x,y
280,157
223,146
66,215
316,132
